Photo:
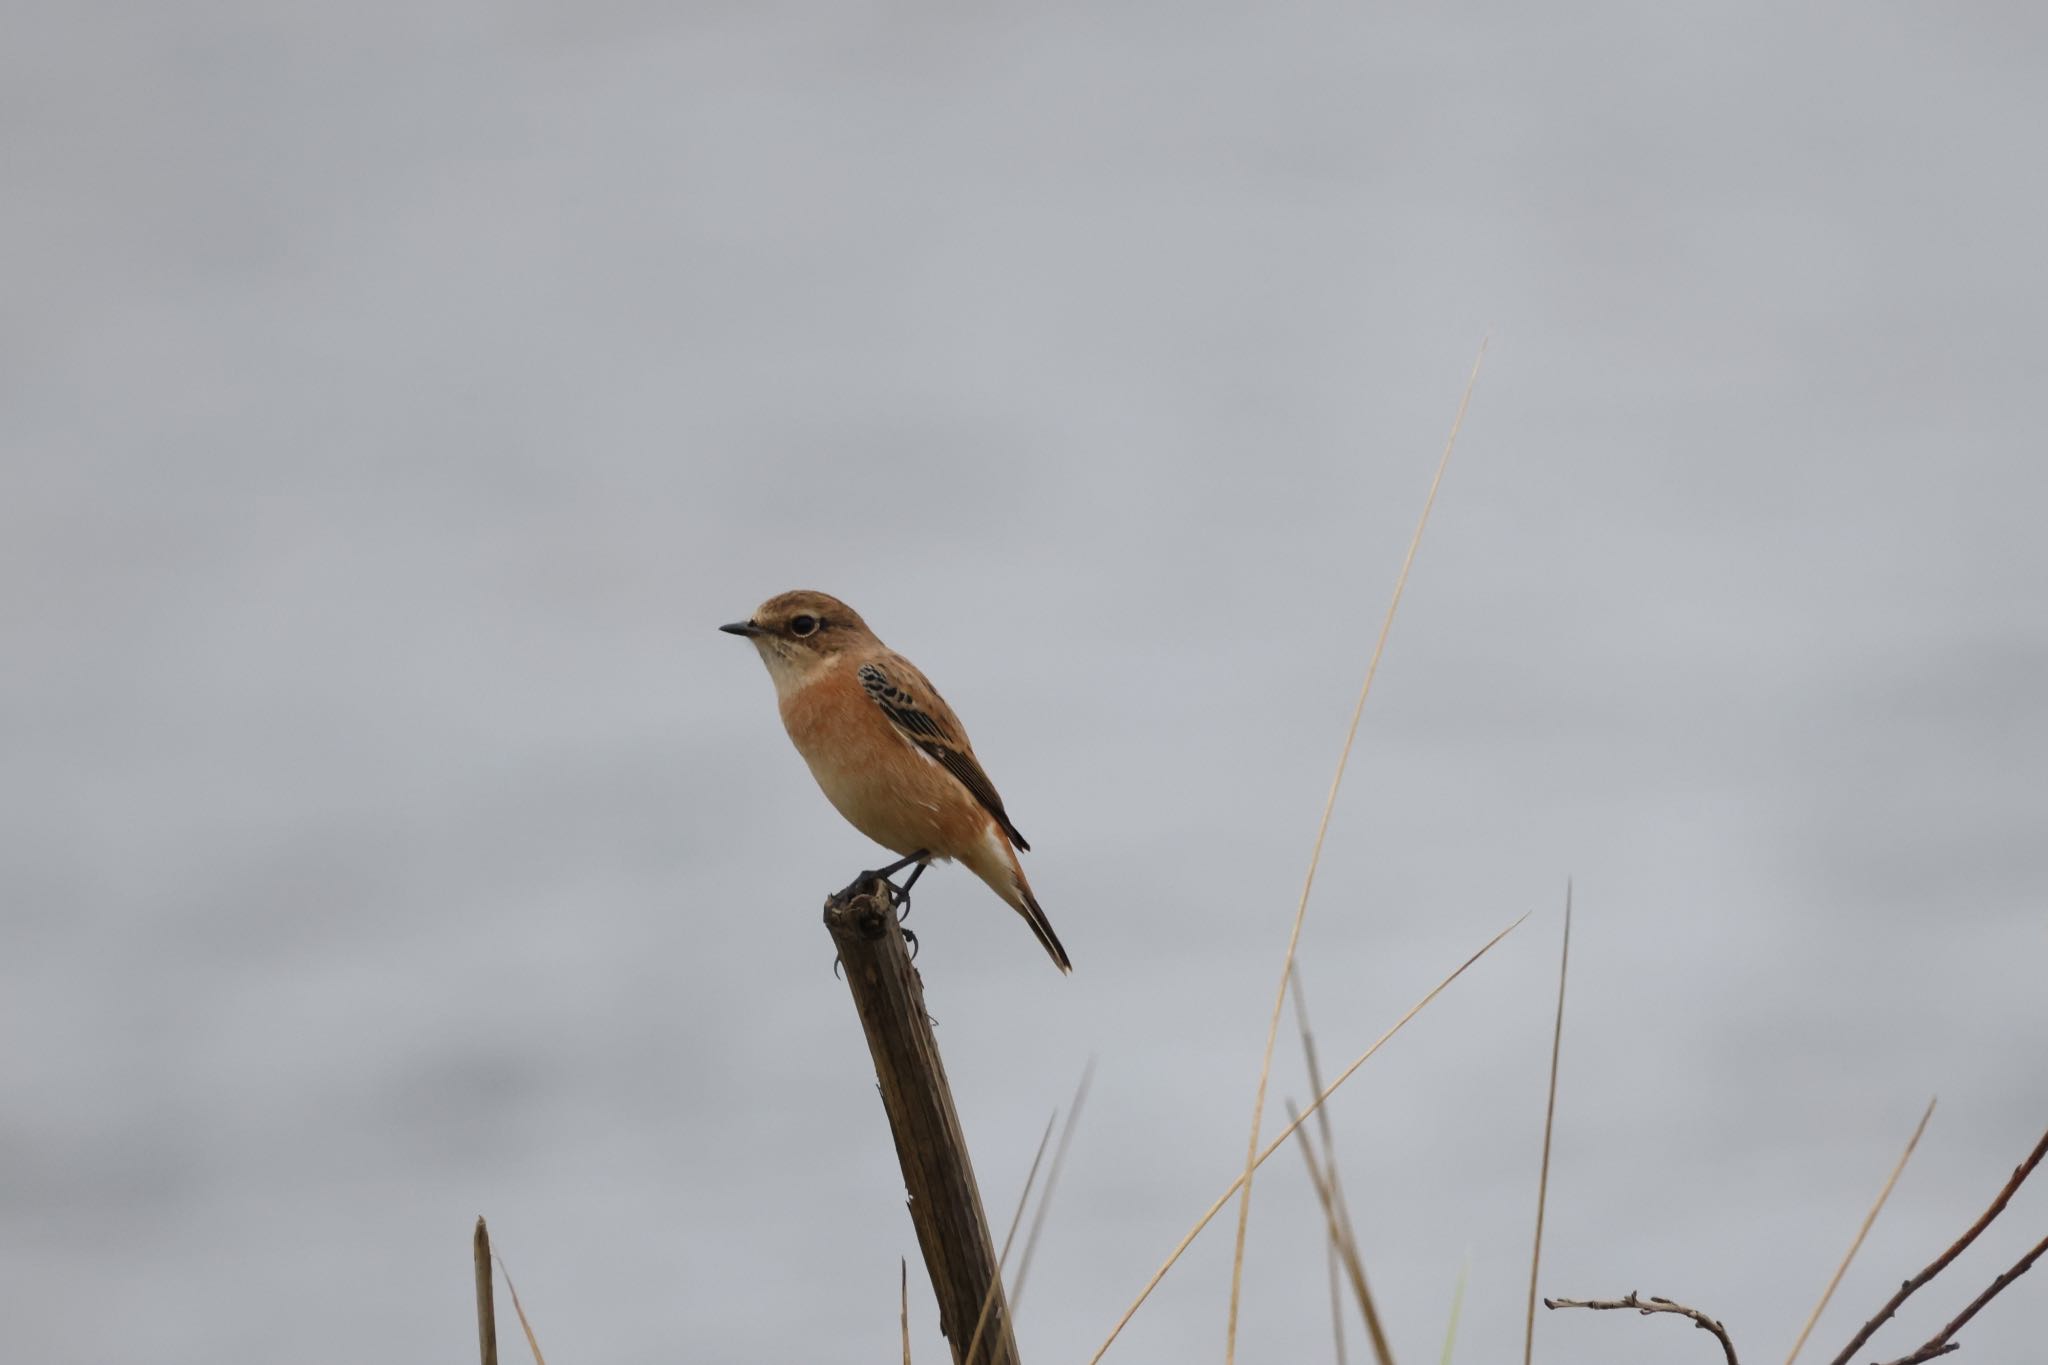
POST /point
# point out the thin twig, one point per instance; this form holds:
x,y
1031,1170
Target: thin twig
x,y
1274,1146
1251,1151
1941,1262
1861,1232
486,1310
1344,1245
1653,1304
1016,1219
1052,1180
532,1342
1564,963
903,1302
1939,1344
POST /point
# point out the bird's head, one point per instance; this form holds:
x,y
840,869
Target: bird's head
x,y
799,631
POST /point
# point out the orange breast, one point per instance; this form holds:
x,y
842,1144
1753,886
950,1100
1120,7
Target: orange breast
x,y
886,788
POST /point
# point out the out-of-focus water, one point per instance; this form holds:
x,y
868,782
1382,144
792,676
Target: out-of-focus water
x,y
395,397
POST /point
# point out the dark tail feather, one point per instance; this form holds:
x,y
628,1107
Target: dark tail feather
x,y
1042,927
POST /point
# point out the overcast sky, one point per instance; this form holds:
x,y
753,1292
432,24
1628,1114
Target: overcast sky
x,y
395,397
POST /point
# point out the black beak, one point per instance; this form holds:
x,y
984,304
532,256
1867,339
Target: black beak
x,y
743,628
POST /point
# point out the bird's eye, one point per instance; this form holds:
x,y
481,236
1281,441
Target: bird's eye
x,y
803,625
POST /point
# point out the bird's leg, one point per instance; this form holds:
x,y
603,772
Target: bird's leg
x,y
882,874
893,868
903,902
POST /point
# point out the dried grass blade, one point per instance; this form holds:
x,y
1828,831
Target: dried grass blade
x,y
1861,1233
532,1343
1346,1074
1321,1174
1344,1246
1336,1301
1549,1123
1457,1308
995,1283
1251,1154
1052,1178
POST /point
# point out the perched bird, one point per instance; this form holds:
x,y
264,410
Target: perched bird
x,y
889,753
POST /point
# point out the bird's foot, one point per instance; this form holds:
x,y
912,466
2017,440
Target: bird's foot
x,y
899,896
861,885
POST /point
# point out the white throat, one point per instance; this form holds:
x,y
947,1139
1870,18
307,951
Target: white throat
x,y
791,669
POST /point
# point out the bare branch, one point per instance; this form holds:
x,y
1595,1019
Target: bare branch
x,y
1939,1344
1941,1262
1653,1304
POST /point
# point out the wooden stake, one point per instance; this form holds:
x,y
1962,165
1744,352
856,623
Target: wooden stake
x,y
945,1204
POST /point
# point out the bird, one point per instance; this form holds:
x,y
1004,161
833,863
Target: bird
x,y
887,750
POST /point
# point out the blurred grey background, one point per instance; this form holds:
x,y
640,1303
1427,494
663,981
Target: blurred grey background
x,y
397,395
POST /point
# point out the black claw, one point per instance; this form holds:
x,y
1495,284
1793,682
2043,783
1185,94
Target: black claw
x,y
911,939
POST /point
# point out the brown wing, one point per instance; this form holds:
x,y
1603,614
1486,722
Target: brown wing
x,y
921,716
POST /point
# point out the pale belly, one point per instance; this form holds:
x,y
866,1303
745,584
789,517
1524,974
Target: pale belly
x,y
892,802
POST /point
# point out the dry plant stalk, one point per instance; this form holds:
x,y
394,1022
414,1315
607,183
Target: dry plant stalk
x,y
1549,1123
1862,1232
1251,1153
1653,1304
1052,1180
518,1308
1322,1173
1344,1254
1346,1074
1343,1355
486,1309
